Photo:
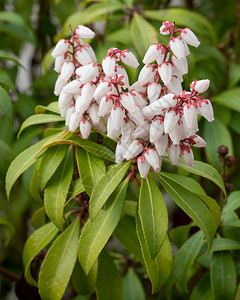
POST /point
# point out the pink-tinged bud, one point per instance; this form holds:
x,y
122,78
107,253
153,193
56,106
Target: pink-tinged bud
x,y
177,47
60,49
138,87
93,113
138,99
122,72
117,116
108,65
127,129
166,27
189,37
59,62
142,131
170,120
199,142
133,150
102,89
177,134
82,104
157,107
137,117
73,87
64,99
128,103
153,91
128,58
205,109
146,74
59,85
153,52
80,70
200,86
105,106
143,166
153,159
187,156
70,110
88,90
112,132
74,121
119,152
187,52
90,52
90,73
174,153
165,72
175,86
156,129
181,64
161,144
85,128
162,58
84,32
83,56
67,70
190,114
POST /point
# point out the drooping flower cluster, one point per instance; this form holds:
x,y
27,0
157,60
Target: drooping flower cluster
x,y
149,117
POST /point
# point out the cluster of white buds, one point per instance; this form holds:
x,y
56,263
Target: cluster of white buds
x,y
149,118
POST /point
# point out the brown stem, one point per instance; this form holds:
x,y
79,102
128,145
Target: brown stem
x,y
12,276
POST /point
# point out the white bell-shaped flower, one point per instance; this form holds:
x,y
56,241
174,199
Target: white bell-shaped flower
x,y
137,117
90,52
59,85
82,104
64,99
139,99
128,58
61,48
161,144
181,64
100,126
199,142
146,74
70,110
108,65
85,128
59,62
143,166
189,37
73,87
119,152
88,90
153,52
102,89
205,109
127,129
93,113
67,70
74,121
153,159
187,155
128,102
90,73
122,72
200,86
105,106
190,112
134,149
170,120
112,132
84,32
153,91
175,86
174,152
165,28
117,116
83,56
156,129
178,133
142,131
165,72
177,47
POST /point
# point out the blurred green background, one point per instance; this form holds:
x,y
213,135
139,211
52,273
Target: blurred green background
x,y
30,29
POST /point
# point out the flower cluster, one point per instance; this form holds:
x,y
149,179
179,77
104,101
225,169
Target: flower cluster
x,y
149,117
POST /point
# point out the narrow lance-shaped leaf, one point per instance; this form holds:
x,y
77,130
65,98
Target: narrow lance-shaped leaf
x,y
153,215
96,233
109,282
158,268
10,230
91,168
202,291
184,260
233,202
56,191
35,243
192,205
223,276
50,161
58,264
5,103
105,186
132,286
221,244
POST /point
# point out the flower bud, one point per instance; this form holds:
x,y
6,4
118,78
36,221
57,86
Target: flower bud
x,y
64,99
102,89
175,86
93,113
187,156
146,74
59,85
133,150
108,65
170,120
190,114
177,134
128,103
153,159
166,27
73,87
153,52
90,73
138,99
122,72
142,131
189,37
200,86
117,116
206,110
137,117
119,152
60,48
59,62
143,166
181,64
199,142
127,129
70,110
153,91
88,90
67,70
177,47
90,52
161,144
174,153
84,32
74,121
156,129
105,106
83,56
85,128
165,72
129,59
82,104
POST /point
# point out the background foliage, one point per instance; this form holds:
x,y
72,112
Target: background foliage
x,y
29,30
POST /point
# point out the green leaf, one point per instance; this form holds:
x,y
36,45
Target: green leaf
x,y
158,268
199,24
186,182
8,233
138,28
109,282
129,208
40,119
95,234
57,189
53,107
233,202
179,235
34,187
184,260
6,80
76,189
153,216
90,167
38,219
122,36
49,163
48,60
221,244
5,103
229,98
192,205
214,209
202,291
202,169
105,186
127,236
235,223
35,243
214,140
95,12
132,286
223,276
84,284
5,55
58,264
